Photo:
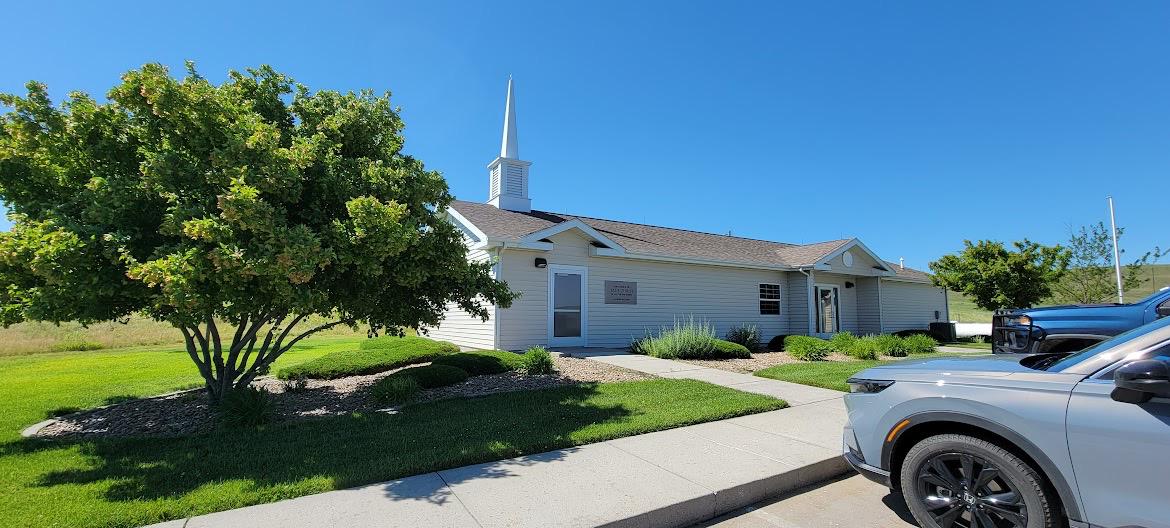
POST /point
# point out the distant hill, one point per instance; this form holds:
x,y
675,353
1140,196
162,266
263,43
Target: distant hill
x,y
1155,276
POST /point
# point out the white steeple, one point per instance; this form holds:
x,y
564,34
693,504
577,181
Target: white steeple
x,y
508,188
509,148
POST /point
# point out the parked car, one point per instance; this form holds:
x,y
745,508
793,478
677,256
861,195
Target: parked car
x,y
1022,440
1071,328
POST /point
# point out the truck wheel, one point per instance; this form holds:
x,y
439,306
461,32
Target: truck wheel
x,y
959,481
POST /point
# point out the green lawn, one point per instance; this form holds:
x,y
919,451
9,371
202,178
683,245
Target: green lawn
x,y
973,346
831,374
141,481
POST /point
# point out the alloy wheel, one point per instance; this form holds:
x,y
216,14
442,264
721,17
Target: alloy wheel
x,y
961,490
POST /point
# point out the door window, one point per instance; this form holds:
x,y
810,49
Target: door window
x,y
566,305
828,309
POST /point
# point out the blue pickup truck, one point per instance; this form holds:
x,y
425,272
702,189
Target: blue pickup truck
x,y
1054,329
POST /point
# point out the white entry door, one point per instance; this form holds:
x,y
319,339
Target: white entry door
x,y
567,305
825,297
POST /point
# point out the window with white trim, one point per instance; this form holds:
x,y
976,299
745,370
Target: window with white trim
x,y
769,299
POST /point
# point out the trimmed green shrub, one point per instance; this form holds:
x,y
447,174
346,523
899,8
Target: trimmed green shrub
x,y
483,362
843,341
776,344
395,389
920,344
247,407
431,376
806,348
385,353
892,345
728,349
865,347
537,360
746,335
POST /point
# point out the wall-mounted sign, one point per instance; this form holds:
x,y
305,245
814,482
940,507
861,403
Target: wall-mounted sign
x,y
621,292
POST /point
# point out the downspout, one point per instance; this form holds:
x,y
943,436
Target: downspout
x,y
808,294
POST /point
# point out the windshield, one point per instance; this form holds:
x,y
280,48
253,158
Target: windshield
x,y
1087,354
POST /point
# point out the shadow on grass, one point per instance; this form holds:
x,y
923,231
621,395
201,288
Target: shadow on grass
x,y
348,450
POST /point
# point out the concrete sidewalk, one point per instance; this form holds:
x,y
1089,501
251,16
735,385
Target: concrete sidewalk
x,y
794,393
676,477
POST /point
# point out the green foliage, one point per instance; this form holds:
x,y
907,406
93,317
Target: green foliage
x,y
537,360
843,341
483,362
865,347
640,346
728,349
431,376
746,335
395,389
246,407
392,353
690,339
256,201
892,345
1091,277
295,385
919,344
807,348
996,277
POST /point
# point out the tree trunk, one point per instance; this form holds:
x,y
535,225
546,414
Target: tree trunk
x,y
224,370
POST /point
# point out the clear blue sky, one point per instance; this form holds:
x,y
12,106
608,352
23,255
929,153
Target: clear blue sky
x,y
910,125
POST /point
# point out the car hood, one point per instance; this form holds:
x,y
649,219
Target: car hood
x,y
983,365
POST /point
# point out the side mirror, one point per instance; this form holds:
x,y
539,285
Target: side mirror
x,y
1163,309
1139,381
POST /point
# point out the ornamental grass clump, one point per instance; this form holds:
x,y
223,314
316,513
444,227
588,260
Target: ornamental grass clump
x,y
685,340
892,345
843,342
395,390
865,347
246,407
537,360
806,348
920,344
746,335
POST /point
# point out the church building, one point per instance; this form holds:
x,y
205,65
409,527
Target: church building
x,y
592,282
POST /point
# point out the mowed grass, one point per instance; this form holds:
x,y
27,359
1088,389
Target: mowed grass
x,y
832,374
37,338
140,481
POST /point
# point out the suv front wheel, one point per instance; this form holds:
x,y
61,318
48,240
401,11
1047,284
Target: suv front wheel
x,y
959,481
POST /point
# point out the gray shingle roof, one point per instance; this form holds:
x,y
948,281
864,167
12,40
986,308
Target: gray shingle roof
x,y
654,240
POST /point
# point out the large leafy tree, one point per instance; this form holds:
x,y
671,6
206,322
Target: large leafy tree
x,y
997,277
255,202
1091,277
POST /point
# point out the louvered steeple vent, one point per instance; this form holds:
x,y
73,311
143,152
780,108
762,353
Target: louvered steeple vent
x,y
508,173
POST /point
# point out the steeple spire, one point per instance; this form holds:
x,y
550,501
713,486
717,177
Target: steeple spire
x,y
509,147
508,174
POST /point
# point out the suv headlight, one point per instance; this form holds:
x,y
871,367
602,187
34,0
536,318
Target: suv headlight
x,y
867,386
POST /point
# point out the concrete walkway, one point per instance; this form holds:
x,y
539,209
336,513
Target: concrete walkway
x,y
676,477
794,393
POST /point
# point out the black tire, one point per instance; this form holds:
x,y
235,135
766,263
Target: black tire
x,y
998,490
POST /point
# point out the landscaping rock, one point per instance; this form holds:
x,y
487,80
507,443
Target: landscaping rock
x,y
186,413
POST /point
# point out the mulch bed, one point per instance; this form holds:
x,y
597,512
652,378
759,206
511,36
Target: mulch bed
x,y
188,412
758,361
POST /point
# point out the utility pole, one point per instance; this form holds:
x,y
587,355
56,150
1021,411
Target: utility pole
x,y
1116,252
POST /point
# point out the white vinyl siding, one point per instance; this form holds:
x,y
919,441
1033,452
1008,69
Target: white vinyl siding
x,y
911,305
461,328
724,296
868,311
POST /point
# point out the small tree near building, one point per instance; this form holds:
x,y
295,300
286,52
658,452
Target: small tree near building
x,y
997,277
1091,276
256,202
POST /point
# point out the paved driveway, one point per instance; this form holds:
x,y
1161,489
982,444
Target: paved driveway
x,y
851,502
